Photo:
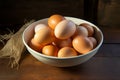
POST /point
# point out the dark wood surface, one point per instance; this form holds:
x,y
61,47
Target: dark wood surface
x,y
105,65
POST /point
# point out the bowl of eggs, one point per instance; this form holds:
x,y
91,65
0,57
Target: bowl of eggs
x,y
62,41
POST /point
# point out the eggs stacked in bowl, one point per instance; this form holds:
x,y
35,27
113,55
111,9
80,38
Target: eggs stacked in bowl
x,y
58,40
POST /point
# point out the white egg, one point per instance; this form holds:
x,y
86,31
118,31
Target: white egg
x,y
39,26
65,29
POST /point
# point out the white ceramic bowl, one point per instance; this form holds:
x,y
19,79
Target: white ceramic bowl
x,y
61,62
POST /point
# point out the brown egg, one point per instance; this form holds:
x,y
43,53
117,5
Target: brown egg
x,y
54,20
44,36
82,44
80,30
65,29
35,46
63,43
50,50
94,41
66,52
89,28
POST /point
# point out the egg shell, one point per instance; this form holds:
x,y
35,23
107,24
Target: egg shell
x,y
63,43
54,20
89,28
80,30
82,44
35,46
50,50
94,41
44,36
66,52
40,26
65,29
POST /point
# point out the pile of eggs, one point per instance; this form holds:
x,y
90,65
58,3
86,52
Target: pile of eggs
x,y
63,38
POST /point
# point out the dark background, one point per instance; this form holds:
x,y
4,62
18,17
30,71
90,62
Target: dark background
x,y
15,13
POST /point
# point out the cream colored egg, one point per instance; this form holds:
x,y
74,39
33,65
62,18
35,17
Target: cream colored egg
x,y
65,29
81,31
89,28
66,52
39,26
82,44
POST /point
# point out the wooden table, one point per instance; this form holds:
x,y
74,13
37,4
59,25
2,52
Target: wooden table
x,y
105,65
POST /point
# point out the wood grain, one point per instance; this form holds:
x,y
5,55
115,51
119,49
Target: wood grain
x,y
108,13
104,65
111,34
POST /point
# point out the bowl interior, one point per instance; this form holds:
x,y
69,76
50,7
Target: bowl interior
x,y
29,31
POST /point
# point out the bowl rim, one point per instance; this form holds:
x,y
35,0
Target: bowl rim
x,y
53,57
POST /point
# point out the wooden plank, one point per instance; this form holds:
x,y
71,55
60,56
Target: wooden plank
x,y
6,73
31,69
96,68
111,34
109,13
104,65
109,50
